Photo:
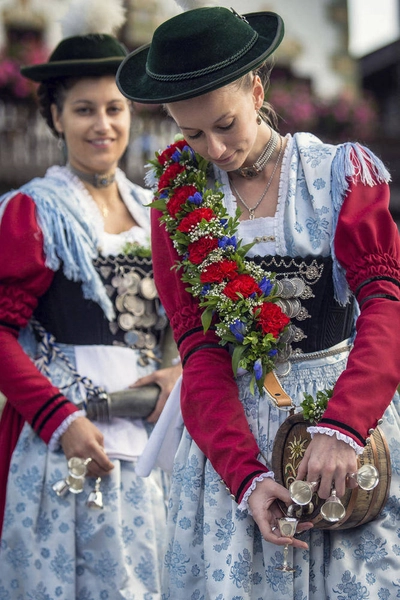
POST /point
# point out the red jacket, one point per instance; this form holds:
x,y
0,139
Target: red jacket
x,y
366,245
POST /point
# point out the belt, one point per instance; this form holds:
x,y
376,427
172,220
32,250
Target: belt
x,y
273,387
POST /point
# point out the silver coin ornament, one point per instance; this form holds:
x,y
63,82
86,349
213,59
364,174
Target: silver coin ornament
x,y
130,285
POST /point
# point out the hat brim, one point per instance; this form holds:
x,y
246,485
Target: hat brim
x,y
134,82
72,68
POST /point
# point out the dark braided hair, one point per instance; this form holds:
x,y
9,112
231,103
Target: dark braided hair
x,y
51,92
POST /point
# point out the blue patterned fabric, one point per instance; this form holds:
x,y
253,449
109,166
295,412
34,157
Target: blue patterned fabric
x,y
54,547
215,551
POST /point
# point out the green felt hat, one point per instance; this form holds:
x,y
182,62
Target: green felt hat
x,y
80,56
198,51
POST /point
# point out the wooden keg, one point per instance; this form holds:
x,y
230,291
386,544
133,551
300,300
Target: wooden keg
x,y
361,506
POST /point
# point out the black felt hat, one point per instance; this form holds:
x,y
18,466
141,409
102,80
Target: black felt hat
x,y
198,51
80,56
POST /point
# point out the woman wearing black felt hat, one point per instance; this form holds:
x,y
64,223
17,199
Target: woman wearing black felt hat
x,y
235,204
80,321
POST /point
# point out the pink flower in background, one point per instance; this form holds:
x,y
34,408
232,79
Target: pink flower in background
x,y
28,52
336,119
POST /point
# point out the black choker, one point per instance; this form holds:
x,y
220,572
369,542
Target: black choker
x,y
97,180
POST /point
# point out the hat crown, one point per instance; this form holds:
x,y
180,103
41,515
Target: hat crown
x,y
197,52
219,35
87,47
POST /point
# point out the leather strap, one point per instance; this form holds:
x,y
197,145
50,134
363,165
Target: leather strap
x,y
276,391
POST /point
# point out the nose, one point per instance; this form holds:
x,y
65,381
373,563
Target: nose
x,y
215,147
102,122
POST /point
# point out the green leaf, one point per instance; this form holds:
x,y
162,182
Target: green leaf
x,y
158,204
206,318
244,249
236,357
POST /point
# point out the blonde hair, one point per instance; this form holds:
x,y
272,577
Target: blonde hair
x,y
267,111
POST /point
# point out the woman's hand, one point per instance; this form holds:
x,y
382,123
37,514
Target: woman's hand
x,y
266,512
328,460
83,440
166,379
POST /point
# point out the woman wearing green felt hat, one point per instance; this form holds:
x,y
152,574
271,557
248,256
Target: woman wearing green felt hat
x,y
80,319
288,283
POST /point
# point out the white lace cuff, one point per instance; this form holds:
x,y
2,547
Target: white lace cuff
x,y
244,505
54,443
340,436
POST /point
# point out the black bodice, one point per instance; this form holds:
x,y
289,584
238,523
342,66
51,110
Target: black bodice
x,y
322,320
140,320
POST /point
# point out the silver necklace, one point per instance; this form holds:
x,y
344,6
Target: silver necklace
x,y
253,209
258,166
98,180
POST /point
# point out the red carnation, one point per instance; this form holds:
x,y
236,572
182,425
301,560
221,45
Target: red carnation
x,y
271,319
195,217
168,152
242,284
217,272
180,197
169,175
199,250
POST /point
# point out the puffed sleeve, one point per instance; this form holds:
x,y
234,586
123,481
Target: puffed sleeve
x,y
211,409
23,279
367,246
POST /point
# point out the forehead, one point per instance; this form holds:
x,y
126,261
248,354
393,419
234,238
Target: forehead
x,y
89,87
208,107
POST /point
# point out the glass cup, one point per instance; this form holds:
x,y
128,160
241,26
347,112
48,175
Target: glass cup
x,y
301,492
367,477
287,527
77,471
333,510
61,487
95,498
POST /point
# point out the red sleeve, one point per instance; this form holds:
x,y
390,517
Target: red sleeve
x,y
23,279
367,245
211,409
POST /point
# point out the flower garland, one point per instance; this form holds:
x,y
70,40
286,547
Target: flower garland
x,y
239,293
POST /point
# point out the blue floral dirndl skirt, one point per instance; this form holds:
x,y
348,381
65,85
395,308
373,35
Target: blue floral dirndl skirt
x,y
58,548
216,552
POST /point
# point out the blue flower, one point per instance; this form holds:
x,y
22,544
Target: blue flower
x,y
223,222
192,153
206,289
238,328
196,199
265,286
163,194
258,369
227,241
273,352
176,157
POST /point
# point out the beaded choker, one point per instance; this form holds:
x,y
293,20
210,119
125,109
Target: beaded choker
x,y
98,180
258,166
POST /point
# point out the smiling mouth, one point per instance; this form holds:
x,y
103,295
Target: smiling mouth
x,y
224,161
101,143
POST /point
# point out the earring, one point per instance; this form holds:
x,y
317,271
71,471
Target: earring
x,y
259,119
62,146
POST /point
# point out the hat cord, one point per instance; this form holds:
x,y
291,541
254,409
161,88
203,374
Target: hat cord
x,y
206,70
